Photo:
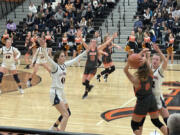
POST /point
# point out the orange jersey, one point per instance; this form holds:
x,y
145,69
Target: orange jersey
x,y
132,38
64,40
77,40
147,39
5,36
171,40
48,37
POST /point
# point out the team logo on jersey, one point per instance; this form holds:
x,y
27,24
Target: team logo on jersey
x,y
172,101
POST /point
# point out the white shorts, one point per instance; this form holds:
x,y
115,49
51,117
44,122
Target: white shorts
x,y
160,101
57,96
9,66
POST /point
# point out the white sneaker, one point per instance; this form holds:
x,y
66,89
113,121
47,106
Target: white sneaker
x,y
53,128
21,90
28,83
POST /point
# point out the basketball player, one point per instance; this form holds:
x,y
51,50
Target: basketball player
x,y
39,60
146,102
170,48
107,60
10,57
58,74
28,45
91,63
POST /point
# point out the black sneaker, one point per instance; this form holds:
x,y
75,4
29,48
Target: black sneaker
x,y
105,77
85,95
90,87
98,77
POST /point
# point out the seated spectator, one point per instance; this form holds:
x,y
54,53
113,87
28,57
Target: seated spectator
x,y
11,27
173,124
89,14
59,16
69,6
176,25
30,21
139,37
71,34
65,25
90,26
78,4
83,25
176,13
138,23
32,8
147,18
170,21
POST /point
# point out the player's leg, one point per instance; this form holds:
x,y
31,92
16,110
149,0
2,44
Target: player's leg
x,y
2,72
16,78
36,67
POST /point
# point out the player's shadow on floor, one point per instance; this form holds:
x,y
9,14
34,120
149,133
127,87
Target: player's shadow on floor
x,y
9,84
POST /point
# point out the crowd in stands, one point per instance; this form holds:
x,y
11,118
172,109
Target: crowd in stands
x,y
157,21
54,18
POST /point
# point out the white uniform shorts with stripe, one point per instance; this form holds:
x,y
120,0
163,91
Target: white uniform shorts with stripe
x,y
57,96
160,101
9,66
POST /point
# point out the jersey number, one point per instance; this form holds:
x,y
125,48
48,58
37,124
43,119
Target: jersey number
x,y
92,58
8,56
62,80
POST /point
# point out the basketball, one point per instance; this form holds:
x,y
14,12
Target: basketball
x,y
134,60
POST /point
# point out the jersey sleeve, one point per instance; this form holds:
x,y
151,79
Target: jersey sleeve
x,y
76,59
54,65
17,52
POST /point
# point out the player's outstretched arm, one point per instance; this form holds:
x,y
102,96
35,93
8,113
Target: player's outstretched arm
x,y
76,59
101,47
165,62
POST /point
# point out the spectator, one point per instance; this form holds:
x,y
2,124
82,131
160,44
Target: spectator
x,y
139,37
138,23
59,16
147,18
83,25
32,8
30,21
89,14
174,124
170,21
11,27
176,26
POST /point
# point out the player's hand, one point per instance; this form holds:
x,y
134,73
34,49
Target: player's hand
x,y
106,54
156,48
115,35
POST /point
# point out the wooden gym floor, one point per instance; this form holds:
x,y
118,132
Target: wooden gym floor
x,y
33,109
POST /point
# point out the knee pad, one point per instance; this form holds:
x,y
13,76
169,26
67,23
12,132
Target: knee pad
x,y
1,76
105,71
157,123
69,111
111,69
142,122
16,78
135,125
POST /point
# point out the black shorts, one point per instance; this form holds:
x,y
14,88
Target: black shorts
x,y
90,70
146,105
106,60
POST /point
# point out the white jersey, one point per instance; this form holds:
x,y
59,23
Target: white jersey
x,y
9,54
58,77
157,81
39,56
59,71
